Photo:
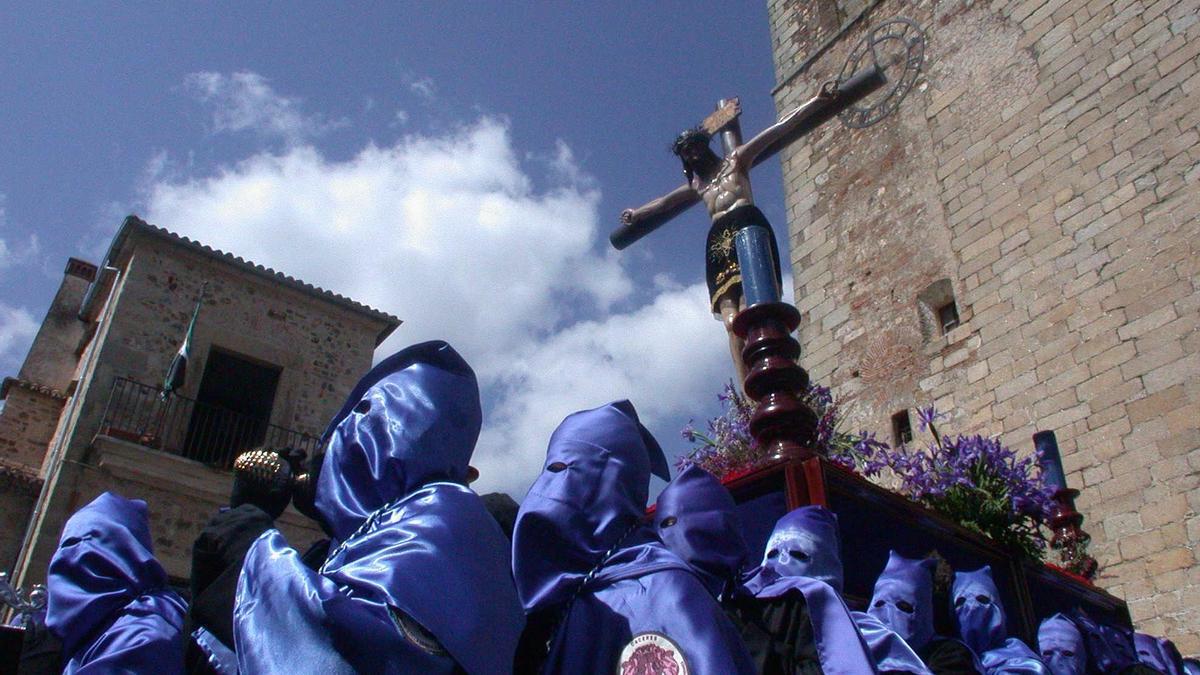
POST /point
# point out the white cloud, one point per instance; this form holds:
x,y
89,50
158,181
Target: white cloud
x,y
667,357
245,101
423,87
21,253
451,234
17,328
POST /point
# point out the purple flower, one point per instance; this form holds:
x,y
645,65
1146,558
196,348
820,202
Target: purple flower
x,y
927,416
728,445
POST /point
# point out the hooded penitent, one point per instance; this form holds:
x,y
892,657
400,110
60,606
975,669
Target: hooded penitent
x,y
903,599
1061,646
108,600
1158,653
697,519
803,555
981,625
418,582
584,555
805,543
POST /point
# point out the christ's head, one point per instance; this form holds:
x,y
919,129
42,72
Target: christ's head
x,y
691,146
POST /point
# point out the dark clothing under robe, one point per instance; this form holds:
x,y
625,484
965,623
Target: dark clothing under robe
x,y
946,656
217,556
778,634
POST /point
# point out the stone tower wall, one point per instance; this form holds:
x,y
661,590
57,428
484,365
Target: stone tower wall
x,y
1044,169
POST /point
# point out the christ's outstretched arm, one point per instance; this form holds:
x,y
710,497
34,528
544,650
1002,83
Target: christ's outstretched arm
x,y
751,149
660,210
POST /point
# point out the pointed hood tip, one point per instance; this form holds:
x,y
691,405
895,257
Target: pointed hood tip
x,y
659,466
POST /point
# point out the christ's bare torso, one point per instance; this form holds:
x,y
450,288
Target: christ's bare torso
x,y
725,190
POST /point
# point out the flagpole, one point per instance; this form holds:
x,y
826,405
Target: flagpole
x,y
177,370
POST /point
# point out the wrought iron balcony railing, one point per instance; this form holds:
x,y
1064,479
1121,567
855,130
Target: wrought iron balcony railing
x,y
179,425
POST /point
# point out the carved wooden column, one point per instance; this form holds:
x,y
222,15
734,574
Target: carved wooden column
x,y
782,423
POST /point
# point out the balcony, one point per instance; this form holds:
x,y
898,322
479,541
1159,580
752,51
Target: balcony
x,y
181,426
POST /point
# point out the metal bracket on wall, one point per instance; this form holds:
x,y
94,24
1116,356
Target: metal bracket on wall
x,y
825,46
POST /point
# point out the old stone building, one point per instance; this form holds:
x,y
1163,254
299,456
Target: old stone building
x,y
271,359
1019,246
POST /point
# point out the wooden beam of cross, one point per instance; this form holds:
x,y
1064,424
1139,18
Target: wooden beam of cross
x,y
726,112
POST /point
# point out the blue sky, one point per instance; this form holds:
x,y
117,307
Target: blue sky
x,y
457,164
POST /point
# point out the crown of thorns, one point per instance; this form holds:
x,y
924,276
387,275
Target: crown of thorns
x,y
689,136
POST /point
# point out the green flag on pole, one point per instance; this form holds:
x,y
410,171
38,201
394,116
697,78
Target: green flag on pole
x,y
177,371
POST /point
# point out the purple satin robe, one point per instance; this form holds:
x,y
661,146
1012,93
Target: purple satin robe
x,y
1110,649
584,554
107,595
419,582
1158,653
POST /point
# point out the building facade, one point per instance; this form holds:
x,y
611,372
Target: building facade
x,y
1018,245
271,359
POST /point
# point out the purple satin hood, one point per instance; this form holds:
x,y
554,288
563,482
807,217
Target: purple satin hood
x,y
1061,645
413,419
1110,649
981,625
903,599
696,518
588,503
1013,657
975,601
583,551
419,582
107,595
804,543
1158,653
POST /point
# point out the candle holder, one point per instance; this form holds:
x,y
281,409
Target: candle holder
x,y
1069,539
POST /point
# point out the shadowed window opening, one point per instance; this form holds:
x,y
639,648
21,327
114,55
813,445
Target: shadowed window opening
x,y
901,428
948,317
937,310
233,407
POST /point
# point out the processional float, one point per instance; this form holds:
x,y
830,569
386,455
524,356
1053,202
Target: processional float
x,y
879,73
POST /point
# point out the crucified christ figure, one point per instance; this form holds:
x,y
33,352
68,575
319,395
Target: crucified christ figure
x,y
723,184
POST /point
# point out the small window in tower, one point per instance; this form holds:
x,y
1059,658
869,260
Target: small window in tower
x,y
948,317
937,310
901,428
